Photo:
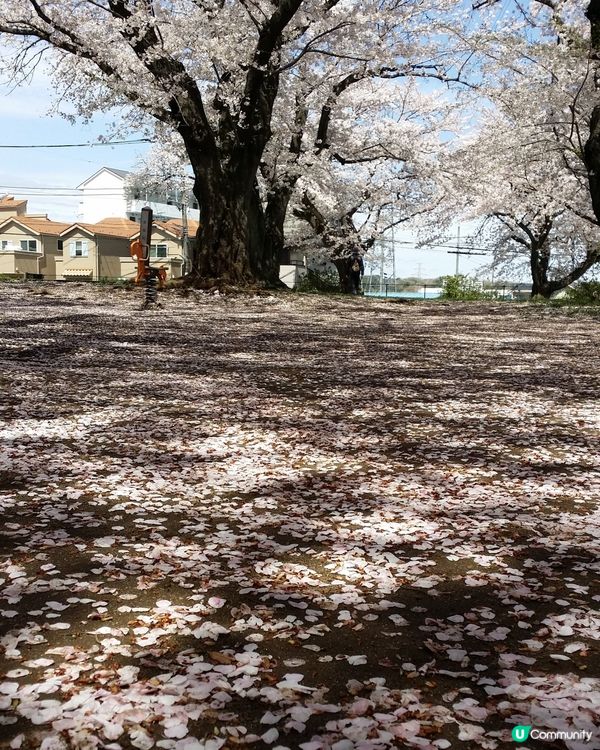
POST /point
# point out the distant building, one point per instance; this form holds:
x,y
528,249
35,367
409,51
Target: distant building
x,y
101,250
96,247
11,207
30,244
33,245
104,194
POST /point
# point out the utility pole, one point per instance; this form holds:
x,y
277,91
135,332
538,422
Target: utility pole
x,y
185,232
393,252
458,252
457,248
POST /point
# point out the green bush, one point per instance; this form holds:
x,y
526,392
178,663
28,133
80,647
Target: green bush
x,y
319,282
584,293
461,288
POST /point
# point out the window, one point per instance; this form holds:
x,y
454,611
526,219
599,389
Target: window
x,y
78,249
29,246
4,244
158,251
60,244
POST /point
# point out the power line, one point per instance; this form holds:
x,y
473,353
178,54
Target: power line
x,y
465,252
433,244
33,187
48,192
80,145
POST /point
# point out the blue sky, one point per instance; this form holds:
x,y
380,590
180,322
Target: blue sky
x,y
48,177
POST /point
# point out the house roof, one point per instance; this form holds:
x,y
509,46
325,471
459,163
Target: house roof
x,y
122,173
78,225
113,226
121,227
37,224
8,201
167,227
117,226
175,226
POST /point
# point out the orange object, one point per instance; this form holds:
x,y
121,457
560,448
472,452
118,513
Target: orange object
x,y
141,271
136,249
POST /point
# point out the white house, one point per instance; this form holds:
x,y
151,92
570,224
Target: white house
x,y
103,194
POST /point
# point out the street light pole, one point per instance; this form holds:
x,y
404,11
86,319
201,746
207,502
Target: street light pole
x,y
458,252
393,253
185,232
457,248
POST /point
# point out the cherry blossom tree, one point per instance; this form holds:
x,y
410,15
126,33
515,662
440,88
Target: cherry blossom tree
x,y
524,163
517,173
368,173
216,74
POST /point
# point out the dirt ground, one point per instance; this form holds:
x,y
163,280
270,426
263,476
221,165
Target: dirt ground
x,y
294,521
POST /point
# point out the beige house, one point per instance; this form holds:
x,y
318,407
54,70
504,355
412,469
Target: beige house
x,y
101,250
29,243
33,245
11,207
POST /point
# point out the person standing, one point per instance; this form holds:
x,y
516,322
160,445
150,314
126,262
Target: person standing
x,y
356,271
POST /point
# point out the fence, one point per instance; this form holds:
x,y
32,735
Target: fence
x,y
401,292
504,293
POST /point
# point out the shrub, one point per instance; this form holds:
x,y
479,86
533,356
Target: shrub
x,y
461,288
319,282
584,293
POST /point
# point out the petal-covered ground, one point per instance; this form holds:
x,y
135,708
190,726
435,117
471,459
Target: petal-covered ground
x,y
296,522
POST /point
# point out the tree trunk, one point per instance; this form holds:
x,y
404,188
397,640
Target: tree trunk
x,y
342,268
591,157
542,286
539,262
264,249
231,245
591,151
221,253
278,199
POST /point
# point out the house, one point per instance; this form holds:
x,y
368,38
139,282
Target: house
x,y
105,193
30,244
11,207
101,250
